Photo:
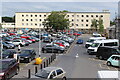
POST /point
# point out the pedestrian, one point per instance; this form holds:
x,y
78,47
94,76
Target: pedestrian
x,y
19,48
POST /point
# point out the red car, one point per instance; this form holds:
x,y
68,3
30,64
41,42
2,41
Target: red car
x,y
33,40
76,34
11,33
25,36
60,44
8,68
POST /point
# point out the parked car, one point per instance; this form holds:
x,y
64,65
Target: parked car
x,y
8,68
106,52
47,39
18,42
27,55
79,41
50,73
114,60
12,46
52,48
8,54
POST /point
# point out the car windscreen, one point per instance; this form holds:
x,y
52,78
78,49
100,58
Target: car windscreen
x,y
43,74
25,51
3,65
95,45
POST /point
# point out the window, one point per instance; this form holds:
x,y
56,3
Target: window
x,y
87,16
35,19
26,15
77,15
44,15
26,23
82,25
96,15
67,15
40,25
22,15
40,15
72,20
31,20
53,74
101,15
82,20
111,44
22,23
22,19
72,24
91,15
59,71
26,19
31,24
40,20
77,19
35,15
35,24
44,19
82,15
86,24
31,15
86,20
76,24
72,15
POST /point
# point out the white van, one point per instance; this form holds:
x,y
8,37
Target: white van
x,y
108,75
92,39
108,42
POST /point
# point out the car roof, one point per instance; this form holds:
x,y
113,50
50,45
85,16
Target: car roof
x,y
51,68
109,47
106,40
116,55
97,38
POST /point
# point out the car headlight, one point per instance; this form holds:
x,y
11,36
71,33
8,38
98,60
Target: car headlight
x,y
2,73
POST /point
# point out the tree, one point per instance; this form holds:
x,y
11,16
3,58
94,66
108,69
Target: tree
x,y
57,21
94,24
8,19
101,26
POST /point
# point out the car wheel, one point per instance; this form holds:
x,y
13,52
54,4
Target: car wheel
x,y
109,63
17,71
64,78
100,57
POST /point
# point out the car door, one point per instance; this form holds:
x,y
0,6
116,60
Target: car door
x,y
11,69
115,61
60,73
53,75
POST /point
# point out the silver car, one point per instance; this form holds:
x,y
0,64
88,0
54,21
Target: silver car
x,y
50,73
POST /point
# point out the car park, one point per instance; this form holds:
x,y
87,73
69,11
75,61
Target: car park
x,y
27,55
106,52
8,68
50,73
114,60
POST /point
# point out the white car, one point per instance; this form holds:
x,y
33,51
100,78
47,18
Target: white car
x,y
18,42
50,73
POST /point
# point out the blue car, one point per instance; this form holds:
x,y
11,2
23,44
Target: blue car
x,y
79,41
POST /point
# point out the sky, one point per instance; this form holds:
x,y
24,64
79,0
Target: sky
x,y
10,7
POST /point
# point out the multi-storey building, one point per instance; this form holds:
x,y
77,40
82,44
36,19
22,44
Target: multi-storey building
x,y
78,20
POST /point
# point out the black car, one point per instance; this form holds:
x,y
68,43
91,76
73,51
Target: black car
x,y
52,48
106,52
8,54
27,55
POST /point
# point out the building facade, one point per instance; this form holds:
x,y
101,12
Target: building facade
x,y
78,20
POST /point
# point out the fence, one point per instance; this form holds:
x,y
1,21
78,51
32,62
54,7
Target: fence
x,y
44,64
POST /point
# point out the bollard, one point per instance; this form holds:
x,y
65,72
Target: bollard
x,y
47,63
29,73
40,66
49,60
36,69
44,64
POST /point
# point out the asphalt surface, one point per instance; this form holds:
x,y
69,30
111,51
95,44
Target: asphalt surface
x,y
75,61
